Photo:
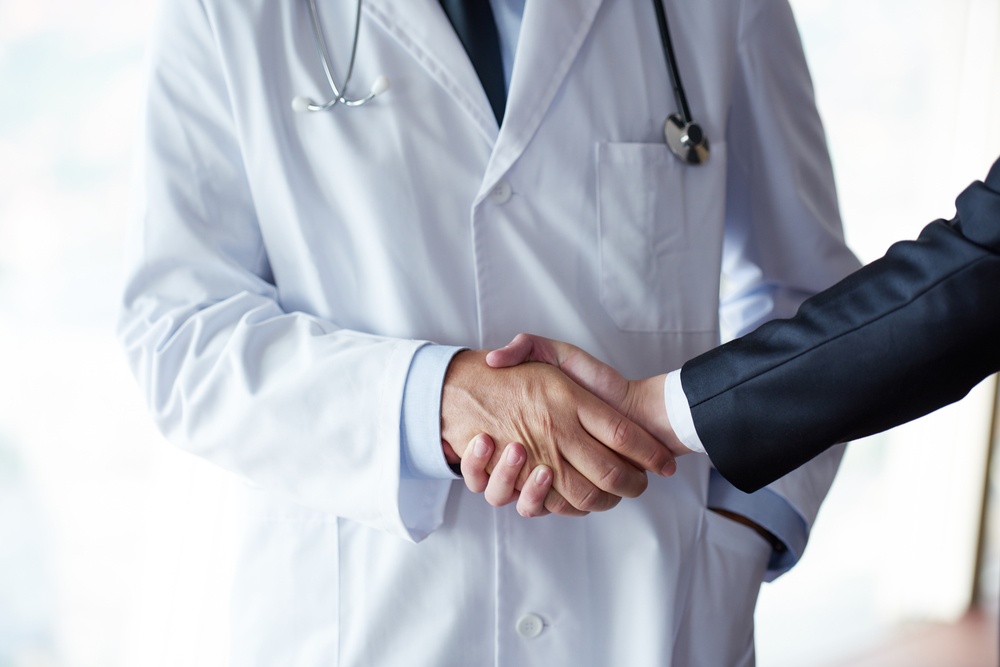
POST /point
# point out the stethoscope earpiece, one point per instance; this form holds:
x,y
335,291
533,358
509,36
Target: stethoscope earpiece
x,y
379,85
686,140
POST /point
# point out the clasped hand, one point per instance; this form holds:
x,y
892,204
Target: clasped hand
x,y
581,436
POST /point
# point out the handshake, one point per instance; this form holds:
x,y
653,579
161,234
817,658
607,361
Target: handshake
x,y
547,425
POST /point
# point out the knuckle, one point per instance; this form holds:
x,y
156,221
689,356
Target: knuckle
x,y
613,478
557,504
661,456
493,497
475,480
530,511
623,479
592,501
621,434
547,426
475,484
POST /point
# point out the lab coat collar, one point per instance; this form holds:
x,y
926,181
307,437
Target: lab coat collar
x,y
552,33
422,28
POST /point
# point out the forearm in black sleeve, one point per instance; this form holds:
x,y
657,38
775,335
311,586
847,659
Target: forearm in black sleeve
x,y
909,333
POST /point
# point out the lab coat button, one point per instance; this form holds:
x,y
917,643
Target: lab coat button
x,y
501,192
529,626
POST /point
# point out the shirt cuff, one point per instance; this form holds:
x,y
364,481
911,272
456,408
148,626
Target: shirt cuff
x,y
421,456
768,510
679,413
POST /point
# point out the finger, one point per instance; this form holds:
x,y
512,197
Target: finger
x,y
593,375
586,474
528,347
605,472
515,352
531,502
501,489
557,504
571,492
449,453
625,438
583,368
576,490
477,456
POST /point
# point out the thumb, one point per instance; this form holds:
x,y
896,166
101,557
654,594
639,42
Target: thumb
x,y
524,347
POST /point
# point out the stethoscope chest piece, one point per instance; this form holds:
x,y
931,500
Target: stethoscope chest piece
x,y
686,140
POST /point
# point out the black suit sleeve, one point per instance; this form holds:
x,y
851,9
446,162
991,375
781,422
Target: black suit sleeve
x,y
905,335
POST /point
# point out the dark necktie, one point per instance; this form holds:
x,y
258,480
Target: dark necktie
x,y
476,28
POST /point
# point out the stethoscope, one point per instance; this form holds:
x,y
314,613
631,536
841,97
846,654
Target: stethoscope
x,y
379,85
685,137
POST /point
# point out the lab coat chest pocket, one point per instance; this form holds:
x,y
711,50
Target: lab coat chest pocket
x,y
660,234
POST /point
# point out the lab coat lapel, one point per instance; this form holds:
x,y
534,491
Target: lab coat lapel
x,y
422,28
552,32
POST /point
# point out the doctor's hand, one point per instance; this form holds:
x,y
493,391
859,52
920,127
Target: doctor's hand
x,y
641,401
596,455
499,488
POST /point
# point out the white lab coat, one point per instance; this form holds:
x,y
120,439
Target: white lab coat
x,y
287,266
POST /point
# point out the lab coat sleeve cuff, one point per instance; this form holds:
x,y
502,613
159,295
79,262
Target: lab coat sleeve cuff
x,y
770,511
420,423
679,413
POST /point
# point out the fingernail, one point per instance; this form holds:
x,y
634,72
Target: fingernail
x,y
513,457
542,477
669,469
480,449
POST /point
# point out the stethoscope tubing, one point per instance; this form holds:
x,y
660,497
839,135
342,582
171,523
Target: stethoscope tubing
x,y
684,137
671,60
320,39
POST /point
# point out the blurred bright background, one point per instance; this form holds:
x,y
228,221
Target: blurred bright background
x,y
115,548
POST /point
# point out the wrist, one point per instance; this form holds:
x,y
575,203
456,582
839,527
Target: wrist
x,y
457,401
648,410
